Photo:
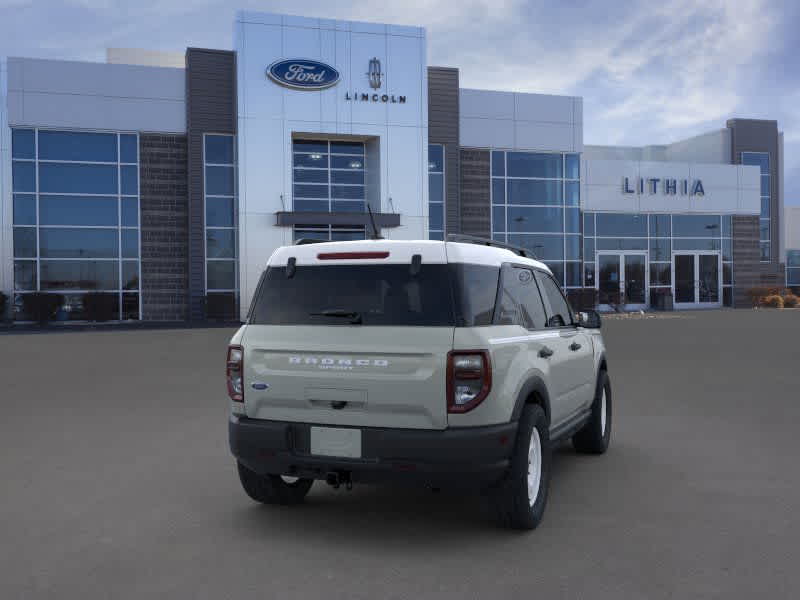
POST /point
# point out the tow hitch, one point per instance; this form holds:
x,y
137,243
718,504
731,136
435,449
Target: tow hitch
x,y
336,479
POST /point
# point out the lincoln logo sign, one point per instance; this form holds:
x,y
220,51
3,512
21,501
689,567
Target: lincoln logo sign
x,y
667,186
302,74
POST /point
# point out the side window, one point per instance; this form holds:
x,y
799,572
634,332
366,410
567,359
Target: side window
x,y
520,302
475,291
559,314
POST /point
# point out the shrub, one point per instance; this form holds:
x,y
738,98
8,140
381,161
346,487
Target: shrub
x,y
41,306
790,300
3,306
99,306
773,301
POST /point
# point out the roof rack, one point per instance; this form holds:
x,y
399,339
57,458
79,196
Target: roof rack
x,y
304,241
472,239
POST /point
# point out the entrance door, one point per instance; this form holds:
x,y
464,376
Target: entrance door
x,y
697,279
622,280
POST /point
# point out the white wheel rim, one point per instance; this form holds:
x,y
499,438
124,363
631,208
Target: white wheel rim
x,y
603,413
289,479
534,466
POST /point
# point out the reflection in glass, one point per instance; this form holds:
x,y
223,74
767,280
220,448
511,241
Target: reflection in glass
x,y
77,146
66,178
77,210
24,275
531,191
220,243
531,164
221,274
55,242
24,209
219,149
80,275
25,242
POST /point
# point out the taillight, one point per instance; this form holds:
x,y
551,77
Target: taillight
x,y
469,379
234,373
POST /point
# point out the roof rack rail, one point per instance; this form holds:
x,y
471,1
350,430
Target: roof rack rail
x,y
472,239
304,241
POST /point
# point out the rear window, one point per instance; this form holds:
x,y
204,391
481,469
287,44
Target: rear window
x,y
350,294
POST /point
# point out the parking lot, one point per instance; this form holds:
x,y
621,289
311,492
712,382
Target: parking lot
x,y
117,481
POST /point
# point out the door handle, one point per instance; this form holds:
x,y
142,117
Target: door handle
x,y
574,346
545,352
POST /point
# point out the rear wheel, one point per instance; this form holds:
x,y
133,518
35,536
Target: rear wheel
x,y
520,499
596,434
273,489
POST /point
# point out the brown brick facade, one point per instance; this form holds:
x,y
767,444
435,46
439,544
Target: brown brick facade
x,y
164,227
476,202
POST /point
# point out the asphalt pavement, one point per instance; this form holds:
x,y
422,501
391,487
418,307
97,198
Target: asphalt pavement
x,y
117,482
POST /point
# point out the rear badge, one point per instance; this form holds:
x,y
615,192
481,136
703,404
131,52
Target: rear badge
x,y
259,386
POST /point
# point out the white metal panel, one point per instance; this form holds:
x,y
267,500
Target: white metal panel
x,y
262,147
546,136
404,79
486,133
262,18
301,105
543,107
486,104
260,97
408,193
364,47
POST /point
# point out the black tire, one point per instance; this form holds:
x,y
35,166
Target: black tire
x,y
594,437
271,489
510,499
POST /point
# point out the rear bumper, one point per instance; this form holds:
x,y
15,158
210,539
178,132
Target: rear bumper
x,y
458,456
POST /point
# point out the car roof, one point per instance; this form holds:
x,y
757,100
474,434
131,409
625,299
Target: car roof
x,y
399,251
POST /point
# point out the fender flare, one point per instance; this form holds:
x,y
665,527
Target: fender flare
x,y
534,384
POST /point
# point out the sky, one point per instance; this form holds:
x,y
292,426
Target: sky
x,y
649,72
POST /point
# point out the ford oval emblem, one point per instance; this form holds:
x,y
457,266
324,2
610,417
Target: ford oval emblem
x,y
303,74
257,385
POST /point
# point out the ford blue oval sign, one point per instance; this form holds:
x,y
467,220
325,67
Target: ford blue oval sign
x,y
303,74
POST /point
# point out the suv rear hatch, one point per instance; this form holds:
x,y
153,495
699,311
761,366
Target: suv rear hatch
x,y
340,336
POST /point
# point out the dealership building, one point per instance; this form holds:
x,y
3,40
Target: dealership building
x,y
167,180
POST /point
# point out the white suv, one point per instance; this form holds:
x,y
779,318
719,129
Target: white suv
x,y
455,363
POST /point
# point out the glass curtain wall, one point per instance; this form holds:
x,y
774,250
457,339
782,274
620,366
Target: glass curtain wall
x,y
660,235
328,176
76,220
222,280
761,160
793,268
536,205
435,191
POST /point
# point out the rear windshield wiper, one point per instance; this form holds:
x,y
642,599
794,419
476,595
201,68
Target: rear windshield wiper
x,y
355,317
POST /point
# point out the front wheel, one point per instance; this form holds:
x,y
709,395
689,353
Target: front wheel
x,y
273,489
595,436
520,499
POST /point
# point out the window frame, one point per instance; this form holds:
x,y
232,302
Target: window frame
x,y
548,307
234,227
505,270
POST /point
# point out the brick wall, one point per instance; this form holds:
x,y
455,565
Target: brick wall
x,y
475,198
165,227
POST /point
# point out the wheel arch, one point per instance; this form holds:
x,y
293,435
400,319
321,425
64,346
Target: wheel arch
x,y
533,391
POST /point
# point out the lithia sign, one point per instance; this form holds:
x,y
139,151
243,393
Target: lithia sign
x,y
667,186
306,74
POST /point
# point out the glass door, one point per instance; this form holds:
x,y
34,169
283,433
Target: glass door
x,y
622,280
635,279
609,280
697,280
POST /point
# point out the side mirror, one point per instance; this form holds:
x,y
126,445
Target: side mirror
x,y
589,319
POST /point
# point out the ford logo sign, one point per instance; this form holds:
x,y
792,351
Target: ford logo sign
x,y
303,74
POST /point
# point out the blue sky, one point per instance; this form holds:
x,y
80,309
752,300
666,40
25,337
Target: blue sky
x,y
649,72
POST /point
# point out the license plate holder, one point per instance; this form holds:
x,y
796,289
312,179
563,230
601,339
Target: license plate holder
x,y
336,442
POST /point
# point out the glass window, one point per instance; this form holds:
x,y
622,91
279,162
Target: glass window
x,y
498,218
129,180
77,210
312,205
347,148
572,246
765,207
475,288
66,178
763,229
727,225
545,247
312,146
539,219
727,296
696,225
348,206
520,301
695,244
793,258
219,212
221,275
57,242
130,307
347,232
498,163
660,226
130,243
345,162
498,191
588,224
765,191
77,146
219,181
572,191
79,275
23,143
435,158
130,212
311,191
572,220
128,148
219,149
573,166
759,159
319,161
557,269
660,249
530,164
130,275
436,217
727,273
588,274
765,250
660,274
436,187
25,242
727,249
621,243
24,209
573,274
559,314
25,275
220,243
23,176
527,191
588,249
379,294
621,225
357,177
347,192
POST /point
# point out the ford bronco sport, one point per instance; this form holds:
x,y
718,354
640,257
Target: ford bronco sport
x,y
446,363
